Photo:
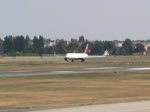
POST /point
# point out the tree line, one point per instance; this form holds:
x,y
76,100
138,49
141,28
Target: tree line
x,y
23,45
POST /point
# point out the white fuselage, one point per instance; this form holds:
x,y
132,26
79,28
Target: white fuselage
x,y
81,56
76,55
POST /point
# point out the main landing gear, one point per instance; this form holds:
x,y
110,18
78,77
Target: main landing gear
x,y
82,60
72,60
66,59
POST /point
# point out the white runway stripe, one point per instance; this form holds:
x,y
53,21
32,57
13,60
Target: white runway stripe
x,y
103,68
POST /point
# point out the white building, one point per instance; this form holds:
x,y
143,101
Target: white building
x,y
118,43
49,43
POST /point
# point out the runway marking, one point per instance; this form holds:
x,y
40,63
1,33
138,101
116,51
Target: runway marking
x,y
17,71
115,68
103,68
69,71
134,69
62,72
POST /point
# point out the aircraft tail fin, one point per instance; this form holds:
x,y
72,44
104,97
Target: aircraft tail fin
x,y
87,49
106,53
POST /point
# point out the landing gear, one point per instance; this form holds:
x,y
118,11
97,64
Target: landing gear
x,y
82,60
72,60
66,59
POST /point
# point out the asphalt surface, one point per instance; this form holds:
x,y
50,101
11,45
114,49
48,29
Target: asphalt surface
x,y
67,71
143,106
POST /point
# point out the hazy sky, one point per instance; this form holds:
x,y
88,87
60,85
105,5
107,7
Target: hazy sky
x,y
95,19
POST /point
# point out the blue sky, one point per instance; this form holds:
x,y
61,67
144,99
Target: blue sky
x,y
95,19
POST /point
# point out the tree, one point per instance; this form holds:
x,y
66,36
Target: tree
x,y
73,46
123,51
35,44
8,44
61,47
116,51
1,45
19,43
41,41
81,38
109,45
27,41
38,45
1,42
28,46
139,48
41,45
127,47
98,48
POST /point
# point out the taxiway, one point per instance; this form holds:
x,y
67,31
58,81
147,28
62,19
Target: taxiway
x,y
142,106
68,71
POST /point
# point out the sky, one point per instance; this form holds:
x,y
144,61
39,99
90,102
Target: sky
x,y
66,19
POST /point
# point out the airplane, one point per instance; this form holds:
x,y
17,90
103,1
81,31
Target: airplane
x,y
82,56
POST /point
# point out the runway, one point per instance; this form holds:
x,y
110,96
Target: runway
x,y
68,71
142,106
139,106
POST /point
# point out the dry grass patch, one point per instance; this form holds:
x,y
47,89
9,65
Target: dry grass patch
x,y
73,89
47,63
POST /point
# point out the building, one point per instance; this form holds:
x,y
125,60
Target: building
x,y
118,43
49,43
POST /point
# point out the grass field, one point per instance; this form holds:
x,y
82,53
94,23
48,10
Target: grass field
x,y
72,89
44,63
